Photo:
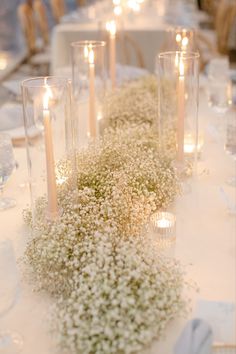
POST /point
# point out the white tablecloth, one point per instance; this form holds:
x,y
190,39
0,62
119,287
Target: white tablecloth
x,y
147,28
205,243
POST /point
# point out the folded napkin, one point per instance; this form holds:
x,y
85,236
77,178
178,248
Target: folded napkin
x,y
196,338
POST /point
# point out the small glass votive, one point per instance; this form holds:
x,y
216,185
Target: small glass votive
x,y
163,228
189,145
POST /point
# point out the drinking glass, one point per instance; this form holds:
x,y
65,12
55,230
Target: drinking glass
x,y
219,85
10,342
7,165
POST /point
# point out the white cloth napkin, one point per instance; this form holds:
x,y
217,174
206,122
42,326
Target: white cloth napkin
x,y
196,338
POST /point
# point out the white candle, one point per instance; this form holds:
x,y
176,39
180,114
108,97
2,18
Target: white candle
x,y
180,122
51,176
92,114
111,27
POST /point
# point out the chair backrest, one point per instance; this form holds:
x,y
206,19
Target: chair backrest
x,y
41,19
58,9
26,17
224,19
80,3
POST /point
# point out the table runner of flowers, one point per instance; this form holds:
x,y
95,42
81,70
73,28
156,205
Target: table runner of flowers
x,y
113,290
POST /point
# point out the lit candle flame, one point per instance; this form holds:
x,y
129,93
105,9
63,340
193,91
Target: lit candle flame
x,y
46,96
178,37
118,10
111,27
185,41
86,52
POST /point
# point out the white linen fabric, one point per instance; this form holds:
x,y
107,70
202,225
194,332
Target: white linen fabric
x,y
196,338
205,243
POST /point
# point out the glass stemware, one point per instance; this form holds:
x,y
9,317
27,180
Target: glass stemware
x,y
10,342
7,165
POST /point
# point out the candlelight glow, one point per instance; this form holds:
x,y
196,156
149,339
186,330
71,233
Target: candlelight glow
x,y
185,41
86,52
99,115
111,27
91,56
46,96
134,5
178,37
164,223
190,143
3,63
118,10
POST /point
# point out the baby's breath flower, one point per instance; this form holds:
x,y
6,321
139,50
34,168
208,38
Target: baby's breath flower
x,y
114,292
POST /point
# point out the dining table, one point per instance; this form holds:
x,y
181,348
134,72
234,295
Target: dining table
x,y
205,244
147,30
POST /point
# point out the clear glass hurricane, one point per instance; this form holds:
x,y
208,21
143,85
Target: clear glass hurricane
x,y
10,342
7,165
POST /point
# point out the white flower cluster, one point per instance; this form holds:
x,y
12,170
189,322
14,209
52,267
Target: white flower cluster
x,y
134,103
122,297
115,293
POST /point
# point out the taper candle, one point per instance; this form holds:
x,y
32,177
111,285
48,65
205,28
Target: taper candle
x,y
92,113
180,122
111,27
51,176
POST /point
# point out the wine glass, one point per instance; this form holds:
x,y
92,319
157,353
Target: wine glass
x,y
10,342
7,165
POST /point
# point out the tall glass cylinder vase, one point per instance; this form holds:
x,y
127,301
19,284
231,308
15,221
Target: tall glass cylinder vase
x,y
48,128
178,74
181,39
89,84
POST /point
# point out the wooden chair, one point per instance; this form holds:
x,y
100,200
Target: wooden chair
x,y
223,24
41,20
37,58
80,3
58,9
26,17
